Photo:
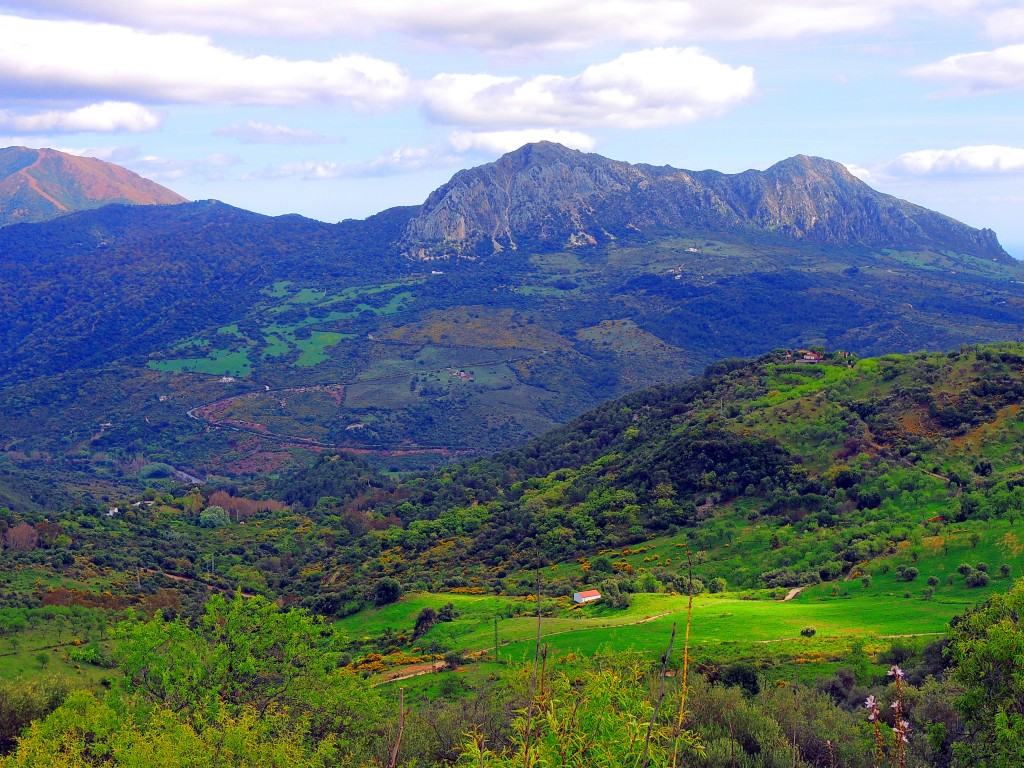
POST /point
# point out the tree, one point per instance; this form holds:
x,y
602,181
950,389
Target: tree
x,y
85,731
743,675
22,537
213,517
426,619
386,591
986,645
247,661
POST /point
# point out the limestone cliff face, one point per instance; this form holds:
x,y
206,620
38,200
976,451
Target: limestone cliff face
x,y
547,197
39,184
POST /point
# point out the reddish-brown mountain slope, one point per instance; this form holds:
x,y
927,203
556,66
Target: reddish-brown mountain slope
x,y
39,184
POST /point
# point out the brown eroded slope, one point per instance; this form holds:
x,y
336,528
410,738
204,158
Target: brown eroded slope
x,y
39,184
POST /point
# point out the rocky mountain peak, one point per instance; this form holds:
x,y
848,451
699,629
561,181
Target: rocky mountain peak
x,y
547,197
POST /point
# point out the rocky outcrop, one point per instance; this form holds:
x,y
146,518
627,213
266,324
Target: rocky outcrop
x,y
547,197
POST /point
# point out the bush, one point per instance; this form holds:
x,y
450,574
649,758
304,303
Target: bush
x,y
977,579
741,675
933,581
386,591
808,631
213,517
452,660
903,573
426,619
21,704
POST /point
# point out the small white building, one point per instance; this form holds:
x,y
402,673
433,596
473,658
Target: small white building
x,y
586,597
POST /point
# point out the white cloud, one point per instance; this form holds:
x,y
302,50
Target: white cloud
x,y
997,70
254,132
43,56
1005,24
166,169
662,86
399,161
987,159
499,142
108,117
118,155
864,174
493,26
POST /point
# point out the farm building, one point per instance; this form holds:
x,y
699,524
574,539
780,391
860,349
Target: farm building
x,y
586,597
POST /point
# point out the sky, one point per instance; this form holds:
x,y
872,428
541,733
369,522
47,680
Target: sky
x,y
338,109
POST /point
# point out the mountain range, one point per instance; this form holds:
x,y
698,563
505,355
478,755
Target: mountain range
x,y
521,293
39,184
546,195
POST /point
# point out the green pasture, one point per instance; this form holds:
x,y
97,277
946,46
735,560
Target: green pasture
x,y
755,624
221,362
314,348
278,338
722,626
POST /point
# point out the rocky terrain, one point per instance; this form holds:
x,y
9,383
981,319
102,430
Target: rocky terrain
x,y
545,196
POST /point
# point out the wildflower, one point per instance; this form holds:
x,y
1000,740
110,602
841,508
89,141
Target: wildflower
x,y
895,671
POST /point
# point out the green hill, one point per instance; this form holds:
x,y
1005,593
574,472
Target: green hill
x,y
771,473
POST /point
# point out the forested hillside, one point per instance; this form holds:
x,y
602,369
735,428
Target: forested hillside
x,y
789,527
226,344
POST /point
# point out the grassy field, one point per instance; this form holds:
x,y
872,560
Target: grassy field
x,y
221,362
723,627
872,606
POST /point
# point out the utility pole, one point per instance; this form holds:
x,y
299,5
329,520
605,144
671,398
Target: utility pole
x,y
496,639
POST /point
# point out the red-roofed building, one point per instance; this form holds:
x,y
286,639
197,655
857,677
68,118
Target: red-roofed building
x,y
586,597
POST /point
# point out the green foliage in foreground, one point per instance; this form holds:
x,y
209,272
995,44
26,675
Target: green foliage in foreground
x,y
250,685
988,647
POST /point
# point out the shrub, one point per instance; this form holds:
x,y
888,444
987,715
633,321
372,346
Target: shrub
x,y
427,618
808,631
933,581
386,591
452,660
741,675
977,579
213,517
903,573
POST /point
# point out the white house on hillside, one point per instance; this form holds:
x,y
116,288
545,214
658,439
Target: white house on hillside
x,y
586,597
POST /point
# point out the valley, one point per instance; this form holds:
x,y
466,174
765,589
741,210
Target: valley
x,y
785,440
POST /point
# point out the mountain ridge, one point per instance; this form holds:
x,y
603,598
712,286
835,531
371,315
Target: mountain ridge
x,y
548,196
39,184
